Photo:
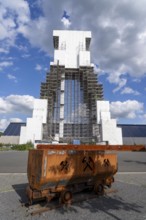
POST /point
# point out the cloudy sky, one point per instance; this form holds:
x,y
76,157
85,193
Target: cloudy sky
x,y
118,51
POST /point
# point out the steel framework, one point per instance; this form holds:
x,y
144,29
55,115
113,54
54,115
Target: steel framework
x,y
72,95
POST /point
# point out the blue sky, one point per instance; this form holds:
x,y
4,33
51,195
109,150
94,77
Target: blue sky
x,y
118,52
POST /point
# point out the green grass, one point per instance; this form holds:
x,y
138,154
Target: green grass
x,y
19,147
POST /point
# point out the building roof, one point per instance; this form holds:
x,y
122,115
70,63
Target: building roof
x,y
13,129
129,130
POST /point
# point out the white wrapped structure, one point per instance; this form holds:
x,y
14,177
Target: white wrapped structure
x,y
71,105
34,126
110,133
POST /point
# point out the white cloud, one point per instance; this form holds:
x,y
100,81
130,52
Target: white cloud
x,y
5,122
8,58
136,80
121,83
22,48
128,109
128,90
36,31
38,67
12,77
16,104
118,30
3,50
98,70
13,15
25,55
20,8
66,22
5,64
46,69
15,120
118,77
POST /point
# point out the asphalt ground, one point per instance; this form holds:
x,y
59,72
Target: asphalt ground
x,y
13,161
129,202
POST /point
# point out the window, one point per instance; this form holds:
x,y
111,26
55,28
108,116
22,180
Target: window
x,y
56,42
88,40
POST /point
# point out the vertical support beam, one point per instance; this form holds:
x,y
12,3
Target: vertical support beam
x,y
61,121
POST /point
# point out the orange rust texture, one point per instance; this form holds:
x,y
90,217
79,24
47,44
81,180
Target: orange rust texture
x,y
62,167
94,147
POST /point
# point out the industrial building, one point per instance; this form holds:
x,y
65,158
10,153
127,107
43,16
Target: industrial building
x,y
71,105
131,134
11,134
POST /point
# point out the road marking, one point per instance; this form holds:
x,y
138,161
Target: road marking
x,y
6,191
11,190
6,174
127,173
127,182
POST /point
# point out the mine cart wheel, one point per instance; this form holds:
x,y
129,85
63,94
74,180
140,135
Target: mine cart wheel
x,y
108,182
65,197
30,202
99,189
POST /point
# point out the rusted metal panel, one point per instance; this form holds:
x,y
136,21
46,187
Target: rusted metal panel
x,y
56,169
63,169
34,167
94,147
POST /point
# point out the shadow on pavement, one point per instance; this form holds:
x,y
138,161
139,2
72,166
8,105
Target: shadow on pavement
x,y
110,205
135,161
107,205
20,189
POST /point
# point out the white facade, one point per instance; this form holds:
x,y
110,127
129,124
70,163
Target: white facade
x,y
34,126
71,48
109,131
9,139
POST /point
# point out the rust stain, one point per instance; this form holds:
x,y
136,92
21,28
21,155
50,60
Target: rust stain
x,y
93,147
53,170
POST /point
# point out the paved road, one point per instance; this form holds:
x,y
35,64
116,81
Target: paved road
x,y
13,162
16,162
132,161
